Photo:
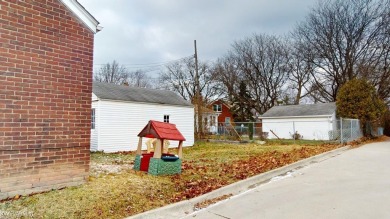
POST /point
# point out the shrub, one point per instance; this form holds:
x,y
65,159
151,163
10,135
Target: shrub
x,y
357,99
296,136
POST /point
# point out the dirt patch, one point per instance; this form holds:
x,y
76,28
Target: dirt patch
x,y
365,140
384,138
99,169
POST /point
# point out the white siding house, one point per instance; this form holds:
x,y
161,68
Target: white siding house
x,y
312,121
209,119
121,112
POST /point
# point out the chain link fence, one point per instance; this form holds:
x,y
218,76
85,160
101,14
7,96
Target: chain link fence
x,y
346,130
341,130
240,130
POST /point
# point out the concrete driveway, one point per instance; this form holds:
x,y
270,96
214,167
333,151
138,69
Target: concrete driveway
x,y
355,184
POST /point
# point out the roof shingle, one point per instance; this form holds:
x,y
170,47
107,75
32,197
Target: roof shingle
x,y
319,109
135,94
161,130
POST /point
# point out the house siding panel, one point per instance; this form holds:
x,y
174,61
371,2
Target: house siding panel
x,y
312,128
120,123
95,132
46,82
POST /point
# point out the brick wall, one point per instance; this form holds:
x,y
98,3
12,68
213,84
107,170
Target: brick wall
x,y
45,97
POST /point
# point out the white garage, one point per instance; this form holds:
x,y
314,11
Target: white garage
x,y
120,112
311,121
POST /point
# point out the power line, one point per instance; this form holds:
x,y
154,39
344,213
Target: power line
x,y
148,68
151,64
164,62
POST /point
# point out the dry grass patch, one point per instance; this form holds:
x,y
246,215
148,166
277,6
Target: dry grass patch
x,y
114,190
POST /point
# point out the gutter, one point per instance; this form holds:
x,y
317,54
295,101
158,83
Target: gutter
x,y
128,101
286,117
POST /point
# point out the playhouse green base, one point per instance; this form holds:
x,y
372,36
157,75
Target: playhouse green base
x,y
159,167
137,162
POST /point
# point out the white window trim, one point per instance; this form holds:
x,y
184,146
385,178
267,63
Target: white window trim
x,y
220,107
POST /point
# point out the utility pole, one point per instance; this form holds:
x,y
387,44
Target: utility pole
x,y
198,97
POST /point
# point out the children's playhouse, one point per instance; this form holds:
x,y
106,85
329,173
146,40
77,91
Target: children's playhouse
x,y
158,161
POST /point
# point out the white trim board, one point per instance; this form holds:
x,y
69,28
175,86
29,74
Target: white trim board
x,y
82,14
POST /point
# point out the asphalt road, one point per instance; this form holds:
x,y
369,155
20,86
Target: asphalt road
x,y
354,184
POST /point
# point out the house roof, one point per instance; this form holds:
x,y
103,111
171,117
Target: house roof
x,y
320,109
82,13
161,130
134,94
221,101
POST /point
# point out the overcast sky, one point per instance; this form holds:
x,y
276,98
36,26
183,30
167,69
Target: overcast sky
x,y
157,31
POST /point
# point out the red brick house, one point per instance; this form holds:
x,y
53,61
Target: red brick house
x,y
46,59
219,106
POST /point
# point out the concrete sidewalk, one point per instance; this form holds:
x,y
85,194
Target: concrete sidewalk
x,y
183,208
355,184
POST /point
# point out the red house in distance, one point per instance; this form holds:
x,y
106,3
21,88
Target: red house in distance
x,y
219,106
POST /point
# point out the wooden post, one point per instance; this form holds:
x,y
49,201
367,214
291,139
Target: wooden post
x,y
157,150
180,150
139,146
198,99
274,134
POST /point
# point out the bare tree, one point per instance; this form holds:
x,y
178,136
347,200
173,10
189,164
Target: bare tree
x,y
112,73
227,73
300,71
139,78
261,62
180,77
377,68
342,35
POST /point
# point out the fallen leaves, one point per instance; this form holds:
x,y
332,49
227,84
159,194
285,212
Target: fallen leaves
x,y
209,202
210,175
117,194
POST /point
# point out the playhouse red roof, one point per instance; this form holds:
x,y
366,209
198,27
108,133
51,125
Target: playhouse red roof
x,y
161,130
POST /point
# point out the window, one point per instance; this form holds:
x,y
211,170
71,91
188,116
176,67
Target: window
x,y
93,118
217,107
166,118
227,120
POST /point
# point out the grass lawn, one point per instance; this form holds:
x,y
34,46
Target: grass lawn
x,y
114,190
